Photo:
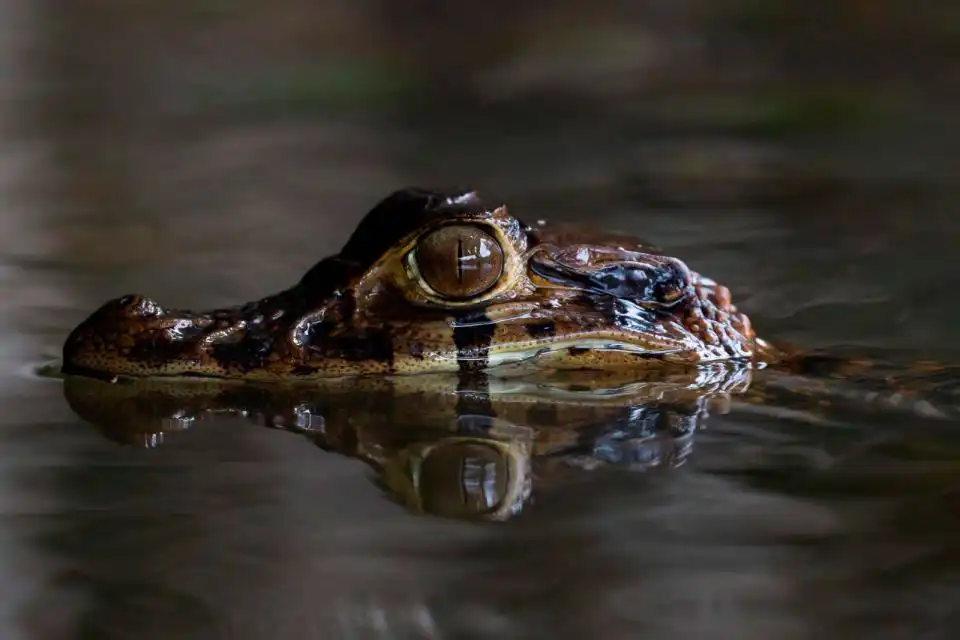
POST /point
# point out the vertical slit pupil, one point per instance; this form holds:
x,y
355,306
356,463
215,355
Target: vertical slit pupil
x,y
460,259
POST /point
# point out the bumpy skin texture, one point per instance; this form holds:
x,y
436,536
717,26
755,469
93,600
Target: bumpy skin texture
x,y
564,298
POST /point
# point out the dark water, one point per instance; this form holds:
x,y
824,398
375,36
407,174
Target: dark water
x,y
786,519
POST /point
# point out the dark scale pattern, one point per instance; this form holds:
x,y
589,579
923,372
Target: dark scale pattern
x,y
416,350
472,334
250,353
537,330
323,341
334,336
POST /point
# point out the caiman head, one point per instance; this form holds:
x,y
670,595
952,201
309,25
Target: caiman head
x,y
434,282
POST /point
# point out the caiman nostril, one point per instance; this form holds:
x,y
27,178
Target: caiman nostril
x,y
136,306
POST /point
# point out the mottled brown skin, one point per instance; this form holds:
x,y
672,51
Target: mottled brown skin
x,y
551,296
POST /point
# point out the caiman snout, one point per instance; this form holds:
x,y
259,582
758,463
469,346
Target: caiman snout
x,y
108,332
133,329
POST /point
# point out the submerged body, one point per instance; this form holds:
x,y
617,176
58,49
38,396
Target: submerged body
x,y
432,282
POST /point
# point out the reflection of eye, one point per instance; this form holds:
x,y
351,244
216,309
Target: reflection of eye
x,y
459,261
464,479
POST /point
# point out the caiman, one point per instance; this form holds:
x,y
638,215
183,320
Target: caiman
x,y
432,282
627,345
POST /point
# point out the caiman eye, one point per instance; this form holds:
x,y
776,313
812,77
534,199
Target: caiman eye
x,y
459,261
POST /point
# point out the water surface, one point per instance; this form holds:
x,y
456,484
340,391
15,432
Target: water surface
x,y
786,518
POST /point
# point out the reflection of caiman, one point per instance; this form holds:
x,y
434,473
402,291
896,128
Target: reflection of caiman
x,y
438,444
436,283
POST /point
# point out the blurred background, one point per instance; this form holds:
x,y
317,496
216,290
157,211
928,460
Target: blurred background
x,y
208,152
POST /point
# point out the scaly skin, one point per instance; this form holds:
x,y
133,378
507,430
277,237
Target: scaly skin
x,y
556,298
